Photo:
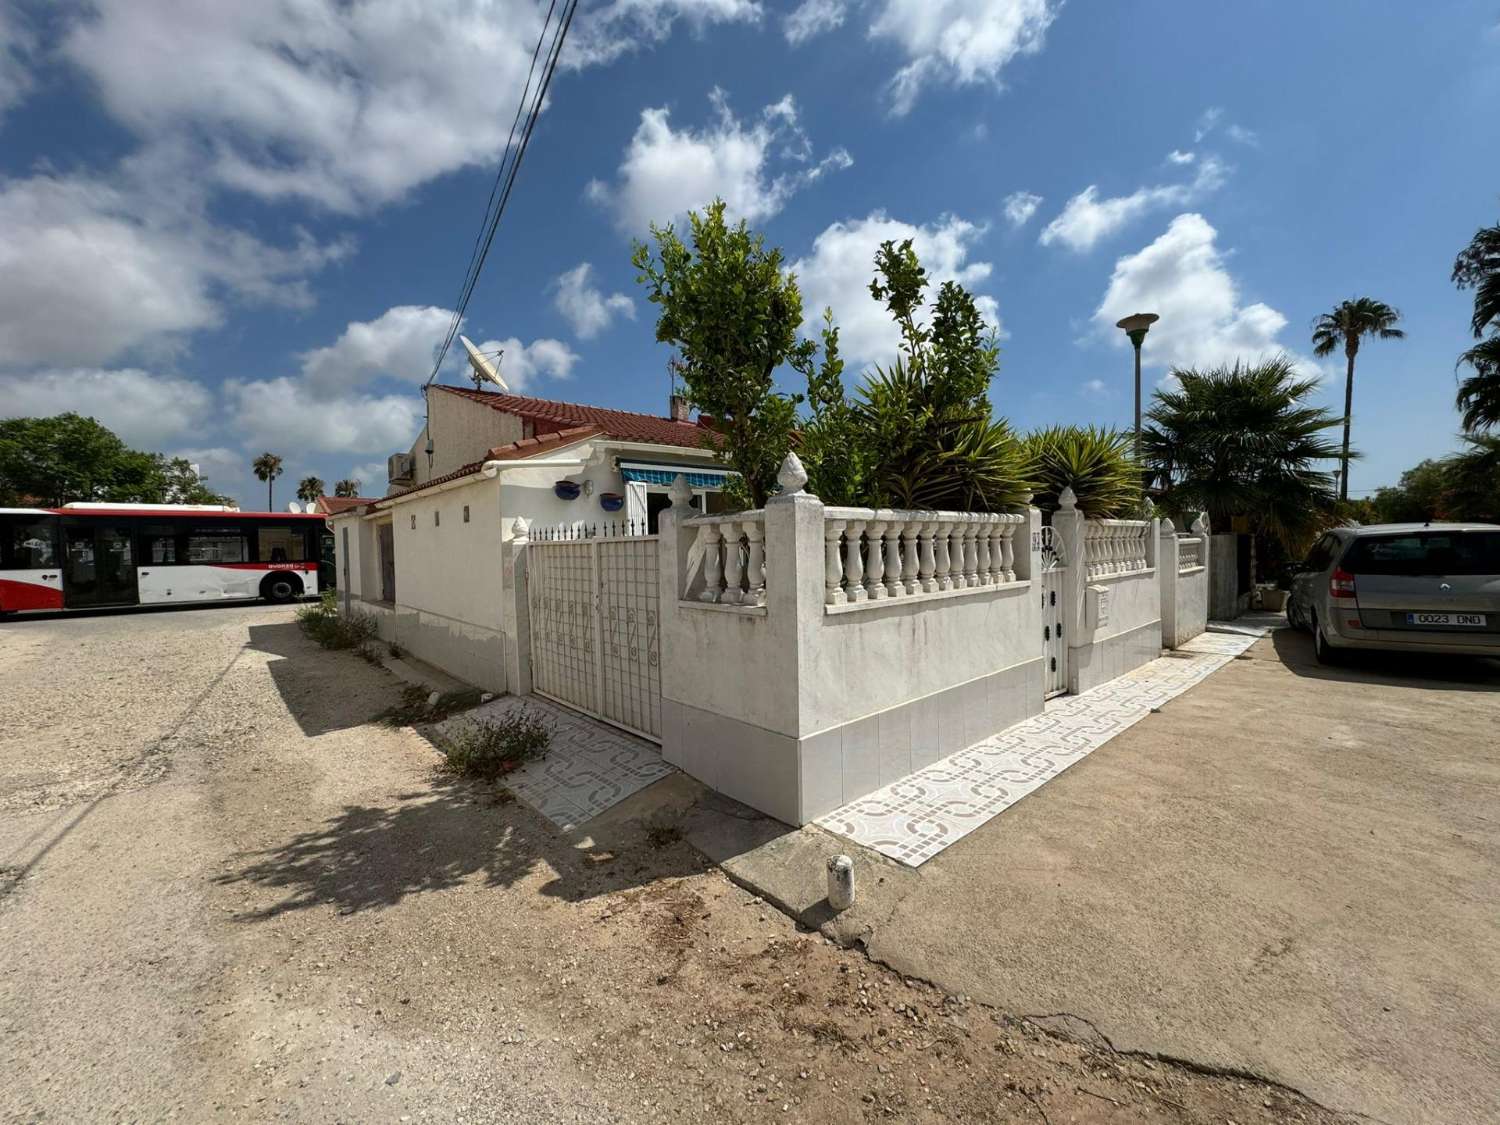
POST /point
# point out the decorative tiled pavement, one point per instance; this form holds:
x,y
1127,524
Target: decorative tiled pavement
x,y
913,819
589,767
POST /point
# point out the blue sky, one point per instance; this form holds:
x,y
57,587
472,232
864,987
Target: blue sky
x,y
227,228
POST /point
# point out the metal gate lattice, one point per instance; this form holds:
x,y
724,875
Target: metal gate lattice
x,y
1054,644
595,628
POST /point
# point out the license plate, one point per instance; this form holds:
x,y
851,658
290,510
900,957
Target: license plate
x,y
1471,619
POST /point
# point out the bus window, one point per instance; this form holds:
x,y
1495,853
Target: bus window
x,y
280,544
221,544
27,544
158,544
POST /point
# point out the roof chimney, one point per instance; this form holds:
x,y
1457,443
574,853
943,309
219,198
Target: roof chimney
x,y
678,409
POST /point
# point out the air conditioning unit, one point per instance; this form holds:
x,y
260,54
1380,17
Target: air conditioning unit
x,y
400,468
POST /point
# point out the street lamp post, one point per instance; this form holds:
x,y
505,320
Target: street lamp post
x,y
1136,326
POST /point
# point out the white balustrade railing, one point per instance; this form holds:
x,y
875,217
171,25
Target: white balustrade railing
x,y
727,559
1112,547
871,554
1189,553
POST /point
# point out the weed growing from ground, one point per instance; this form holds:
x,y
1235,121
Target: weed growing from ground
x,y
490,748
332,629
416,706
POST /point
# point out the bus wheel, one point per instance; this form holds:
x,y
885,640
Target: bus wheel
x,y
281,587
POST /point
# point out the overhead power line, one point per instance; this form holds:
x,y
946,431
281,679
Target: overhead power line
x,y
528,109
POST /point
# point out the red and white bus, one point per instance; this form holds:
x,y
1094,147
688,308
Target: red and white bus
x,y
85,556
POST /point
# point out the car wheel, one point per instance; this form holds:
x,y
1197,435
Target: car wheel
x,y
1325,653
281,588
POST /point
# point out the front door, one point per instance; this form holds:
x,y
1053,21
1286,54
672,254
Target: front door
x,y
99,564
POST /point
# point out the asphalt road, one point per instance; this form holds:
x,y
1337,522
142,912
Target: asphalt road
x,y
1292,871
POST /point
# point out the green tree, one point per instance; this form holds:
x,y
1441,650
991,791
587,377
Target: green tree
x,y
925,420
1477,267
1098,465
1473,487
309,489
732,312
68,457
1348,323
1244,441
346,487
1478,398
1416,498
267,467
830,442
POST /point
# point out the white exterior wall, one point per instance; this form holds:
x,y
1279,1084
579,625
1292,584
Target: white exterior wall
x,y
1184,592
797,710
449,587
462,431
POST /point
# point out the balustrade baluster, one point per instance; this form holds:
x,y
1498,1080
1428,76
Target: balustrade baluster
x,y
874,561
893,585
981,550
926,564
910,564
854,566
713,574
755,572
942,555
733,564
833,565
1008,550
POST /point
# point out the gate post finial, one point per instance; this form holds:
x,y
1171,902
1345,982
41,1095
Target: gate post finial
x,y
791,476
520,529
680,494
1067,499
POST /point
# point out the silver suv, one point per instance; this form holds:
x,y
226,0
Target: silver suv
x,y
1407,587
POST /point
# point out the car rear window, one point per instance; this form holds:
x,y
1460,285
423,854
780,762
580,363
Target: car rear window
x,y
1425,552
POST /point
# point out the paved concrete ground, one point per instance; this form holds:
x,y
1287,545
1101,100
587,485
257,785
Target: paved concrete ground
x,y
1290,870
229,893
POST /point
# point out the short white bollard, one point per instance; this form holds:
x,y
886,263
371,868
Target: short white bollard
x,y
841,882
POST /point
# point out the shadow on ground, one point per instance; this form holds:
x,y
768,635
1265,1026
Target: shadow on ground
x,y
454,833
1405,669
315,683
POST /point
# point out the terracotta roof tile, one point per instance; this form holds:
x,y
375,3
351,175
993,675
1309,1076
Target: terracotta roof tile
x,y
515,451
623,425
332,505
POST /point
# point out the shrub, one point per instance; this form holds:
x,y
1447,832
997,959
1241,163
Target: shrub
x,y
325,624
416,705
490,748
1097,464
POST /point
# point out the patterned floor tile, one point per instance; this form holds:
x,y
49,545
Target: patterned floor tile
x,y
917,817
588,768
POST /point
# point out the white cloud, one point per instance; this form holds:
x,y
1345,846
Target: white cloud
x,y
813,17
838,272
1207,121
16,44
667,172
611,29
1177,156
371,477
1182,276
401,344
96,268
1020,206
522,365
585,306
964,42
1241,135
148,411
287,413
1086,218
1096,388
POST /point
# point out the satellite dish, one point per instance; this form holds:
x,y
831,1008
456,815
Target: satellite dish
x,y
296,509
484,367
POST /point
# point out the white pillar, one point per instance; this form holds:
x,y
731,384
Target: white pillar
x,y
755,570
854,566
833,567
874,560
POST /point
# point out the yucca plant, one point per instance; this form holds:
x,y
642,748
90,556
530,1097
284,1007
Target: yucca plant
x,y
1097,464
923,455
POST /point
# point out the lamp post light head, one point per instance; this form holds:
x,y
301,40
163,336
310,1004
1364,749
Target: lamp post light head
x,y
1136,325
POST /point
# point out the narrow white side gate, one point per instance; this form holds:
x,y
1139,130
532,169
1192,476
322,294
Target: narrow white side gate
x,y
595,628
1054,644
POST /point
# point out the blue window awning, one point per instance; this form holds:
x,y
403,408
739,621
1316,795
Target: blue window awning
x,y
654,472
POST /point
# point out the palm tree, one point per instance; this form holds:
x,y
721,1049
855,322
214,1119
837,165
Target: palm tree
x,y
1346,324
267,468
1479,394
309,488
1244,441
1477,267
346,487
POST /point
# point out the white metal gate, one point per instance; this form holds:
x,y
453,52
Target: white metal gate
x,y
594,627
1054,645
